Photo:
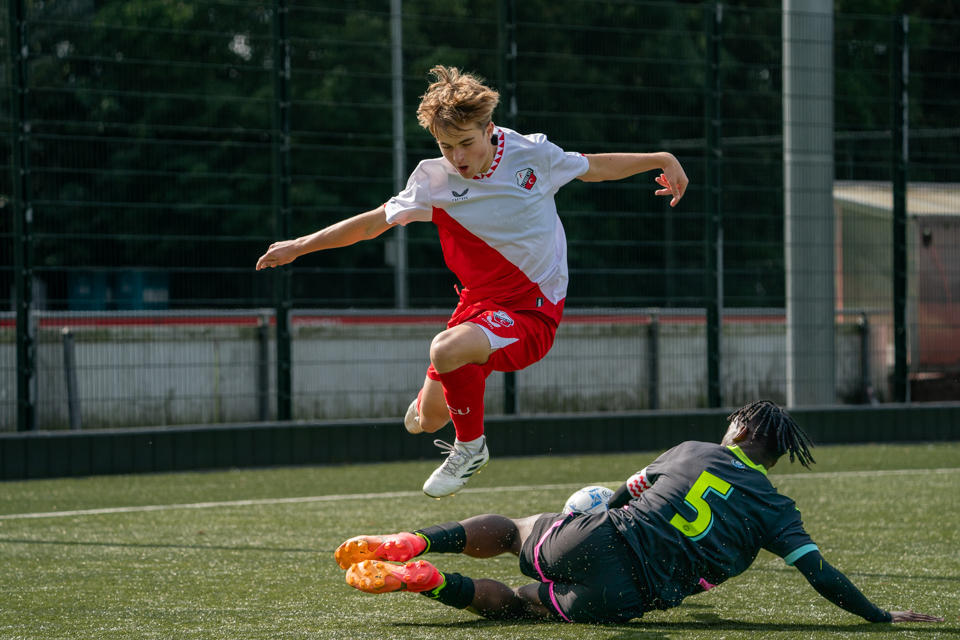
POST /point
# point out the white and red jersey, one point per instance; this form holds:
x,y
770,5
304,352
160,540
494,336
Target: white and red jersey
x,y
499,231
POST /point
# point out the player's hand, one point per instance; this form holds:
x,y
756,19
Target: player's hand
x,y
673,180
279,253
912,616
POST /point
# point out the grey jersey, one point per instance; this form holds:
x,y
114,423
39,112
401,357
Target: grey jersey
x,y
708,512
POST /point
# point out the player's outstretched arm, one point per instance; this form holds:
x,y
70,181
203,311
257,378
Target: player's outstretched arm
x,y
616,166
342,234
837,588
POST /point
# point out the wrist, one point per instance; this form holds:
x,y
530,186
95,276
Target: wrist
x,y
665,159
300,246
881,615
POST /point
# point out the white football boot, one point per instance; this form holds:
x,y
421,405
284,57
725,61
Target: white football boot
x,y
412,420
456,470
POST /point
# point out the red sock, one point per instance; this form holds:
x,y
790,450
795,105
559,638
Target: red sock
x,y
463,392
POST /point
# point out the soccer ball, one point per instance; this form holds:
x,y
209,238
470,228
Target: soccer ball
x,y
592,499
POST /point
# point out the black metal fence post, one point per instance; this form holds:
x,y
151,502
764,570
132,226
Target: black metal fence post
x,y
401,267
866,382
714,249
283,278
22,221
263,367
70,376
653,362
508,17
899,125
508,71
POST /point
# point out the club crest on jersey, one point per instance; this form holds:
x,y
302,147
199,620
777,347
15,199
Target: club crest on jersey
x,y
457,197
499,319
526,178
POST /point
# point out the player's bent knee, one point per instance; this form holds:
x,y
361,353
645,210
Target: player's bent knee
x,y
463,344
445,351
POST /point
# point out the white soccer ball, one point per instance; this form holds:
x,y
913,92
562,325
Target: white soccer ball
x,y
592,499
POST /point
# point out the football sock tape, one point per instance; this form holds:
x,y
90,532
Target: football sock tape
x,y
455,591
449,537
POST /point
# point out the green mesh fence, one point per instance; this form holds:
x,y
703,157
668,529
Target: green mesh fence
x,y
153,150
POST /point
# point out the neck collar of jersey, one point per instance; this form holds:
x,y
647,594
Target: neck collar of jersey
x,y
737,451
497,155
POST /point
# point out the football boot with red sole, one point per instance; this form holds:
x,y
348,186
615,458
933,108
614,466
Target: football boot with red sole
x,y
372,576
398,547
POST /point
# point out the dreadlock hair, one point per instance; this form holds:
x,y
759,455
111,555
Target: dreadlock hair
x,y
774,425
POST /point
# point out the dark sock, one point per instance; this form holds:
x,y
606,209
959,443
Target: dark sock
x,y
449,537
456,591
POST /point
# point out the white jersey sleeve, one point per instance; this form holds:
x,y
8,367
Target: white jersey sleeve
x,y
414,203
564,165
638,483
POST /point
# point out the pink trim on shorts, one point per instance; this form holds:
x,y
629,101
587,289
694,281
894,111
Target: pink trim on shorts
x,y
543,578
706,585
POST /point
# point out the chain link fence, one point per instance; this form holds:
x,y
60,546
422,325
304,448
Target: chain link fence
x,y
153,150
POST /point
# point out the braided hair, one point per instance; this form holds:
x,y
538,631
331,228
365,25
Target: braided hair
x,y
770,422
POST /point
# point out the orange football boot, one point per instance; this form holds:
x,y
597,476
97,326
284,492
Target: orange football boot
x,y
372,576
398,547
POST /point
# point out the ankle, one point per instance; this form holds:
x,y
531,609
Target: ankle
x,y
449,537
472,447
454,590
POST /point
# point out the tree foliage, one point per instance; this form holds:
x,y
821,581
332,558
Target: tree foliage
x,y
154,141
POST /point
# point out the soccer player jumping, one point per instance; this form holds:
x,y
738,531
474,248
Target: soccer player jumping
x,y
695,517
491,196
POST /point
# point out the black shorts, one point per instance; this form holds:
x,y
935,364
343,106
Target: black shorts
x,y
584,566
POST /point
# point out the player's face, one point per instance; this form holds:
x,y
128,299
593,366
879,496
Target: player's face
x,y
470,151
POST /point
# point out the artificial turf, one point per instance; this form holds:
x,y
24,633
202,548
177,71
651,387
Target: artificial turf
x,y
258,563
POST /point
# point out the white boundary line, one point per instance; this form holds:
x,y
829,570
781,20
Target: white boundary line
x,y
265,501
862,474
414,494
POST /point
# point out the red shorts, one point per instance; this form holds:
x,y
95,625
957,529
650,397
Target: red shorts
x,y
521,337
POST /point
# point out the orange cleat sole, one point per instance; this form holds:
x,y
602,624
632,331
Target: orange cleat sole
x,y
372,576
398,547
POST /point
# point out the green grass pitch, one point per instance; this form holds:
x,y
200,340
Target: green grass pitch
x,y
243,556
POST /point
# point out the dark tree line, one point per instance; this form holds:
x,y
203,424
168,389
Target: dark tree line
x,y
153,141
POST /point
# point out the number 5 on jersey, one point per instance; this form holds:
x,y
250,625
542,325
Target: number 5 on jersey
x,y
696,500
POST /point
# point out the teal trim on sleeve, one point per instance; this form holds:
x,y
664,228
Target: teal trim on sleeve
x,y
799,553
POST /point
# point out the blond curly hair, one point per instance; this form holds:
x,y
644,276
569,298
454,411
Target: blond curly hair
x,y
456,101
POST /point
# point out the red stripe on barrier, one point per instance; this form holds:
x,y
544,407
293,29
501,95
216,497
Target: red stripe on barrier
x,y
303,320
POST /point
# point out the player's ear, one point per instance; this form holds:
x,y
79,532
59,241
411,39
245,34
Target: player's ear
x,y
740,431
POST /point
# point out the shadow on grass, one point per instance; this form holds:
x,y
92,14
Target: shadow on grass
x,y
132,545
647,630
858,574
477,625
780,627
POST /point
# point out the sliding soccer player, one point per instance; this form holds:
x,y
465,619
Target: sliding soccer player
x,y
491,196
695,517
